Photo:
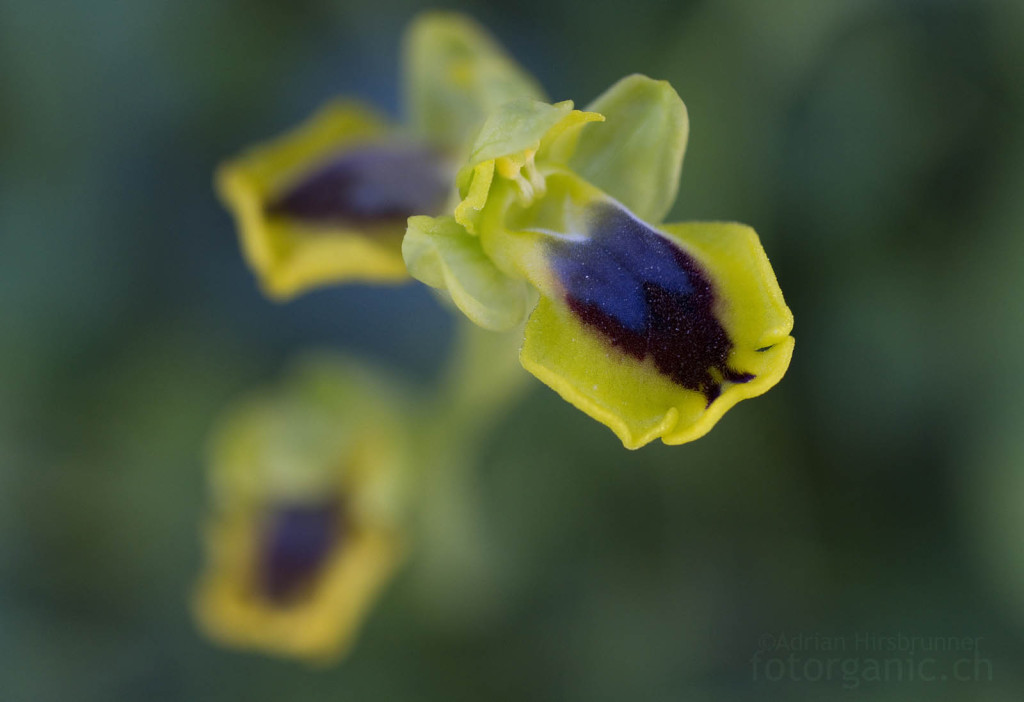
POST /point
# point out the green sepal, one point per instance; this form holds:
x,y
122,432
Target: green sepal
x,y
636,156
455,75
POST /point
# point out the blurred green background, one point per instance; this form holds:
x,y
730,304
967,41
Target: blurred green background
x,y
877,147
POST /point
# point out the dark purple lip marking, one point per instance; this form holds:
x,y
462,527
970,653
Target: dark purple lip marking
x,y
648,298
369,185
296,542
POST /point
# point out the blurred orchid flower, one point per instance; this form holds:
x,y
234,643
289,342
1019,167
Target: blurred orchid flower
x,y
308,505
328,202
654,330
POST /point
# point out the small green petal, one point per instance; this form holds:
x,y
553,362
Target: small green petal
x,y
510,144
456,75
517,127
439,252
637,155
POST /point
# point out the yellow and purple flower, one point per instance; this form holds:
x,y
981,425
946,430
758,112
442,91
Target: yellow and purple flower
x,y
656,330
328,202
307,514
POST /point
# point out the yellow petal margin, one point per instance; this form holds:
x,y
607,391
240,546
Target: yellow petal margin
x,y
288,256
333,432
320,632
629,395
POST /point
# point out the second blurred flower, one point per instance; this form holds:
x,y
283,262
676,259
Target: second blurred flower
x,y
308,485
328,202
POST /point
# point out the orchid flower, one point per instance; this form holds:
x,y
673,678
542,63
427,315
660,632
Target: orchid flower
x,y
655,330
306,525
328,202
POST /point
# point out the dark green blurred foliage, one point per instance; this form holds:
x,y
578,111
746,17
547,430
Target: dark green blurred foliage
x,y
878,148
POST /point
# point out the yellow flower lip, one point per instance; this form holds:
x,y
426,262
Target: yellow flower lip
x,y
306,522
293,254
657,333
647,298
328,202
313,614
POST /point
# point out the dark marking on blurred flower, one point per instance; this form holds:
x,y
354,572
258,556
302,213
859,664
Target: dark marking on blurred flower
x,y
648,298
296,543
368,185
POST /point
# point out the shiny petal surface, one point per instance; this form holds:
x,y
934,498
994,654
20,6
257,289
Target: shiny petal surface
x,y
656,333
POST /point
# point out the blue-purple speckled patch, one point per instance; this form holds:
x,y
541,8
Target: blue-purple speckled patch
x,y
648,298
296,542
368,185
